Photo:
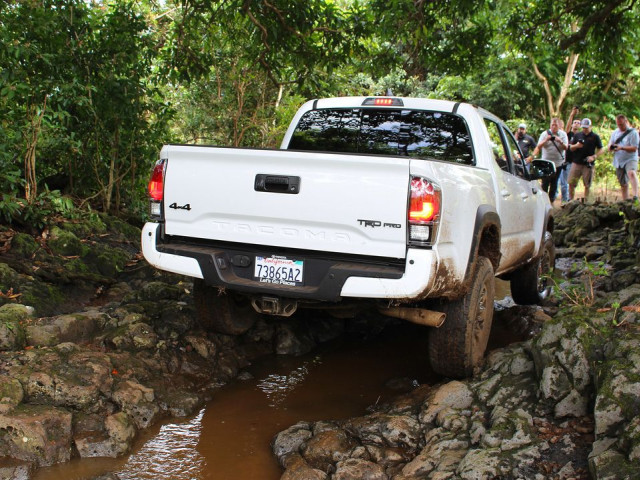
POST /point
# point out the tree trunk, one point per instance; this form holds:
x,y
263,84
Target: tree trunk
x,y
31,183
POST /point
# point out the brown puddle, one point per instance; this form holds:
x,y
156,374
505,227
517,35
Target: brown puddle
x,y
230,438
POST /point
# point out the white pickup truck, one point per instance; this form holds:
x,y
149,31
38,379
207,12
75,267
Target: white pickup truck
x,y
409,206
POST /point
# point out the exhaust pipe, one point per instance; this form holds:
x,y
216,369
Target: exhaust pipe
x,y
421,316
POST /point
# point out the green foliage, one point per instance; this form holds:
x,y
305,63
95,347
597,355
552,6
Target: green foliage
x,y
91,90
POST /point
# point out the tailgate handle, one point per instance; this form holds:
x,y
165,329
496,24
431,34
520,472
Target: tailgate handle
x,y
277,183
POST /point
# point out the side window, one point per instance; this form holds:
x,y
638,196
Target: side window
x,y
499,153
516,156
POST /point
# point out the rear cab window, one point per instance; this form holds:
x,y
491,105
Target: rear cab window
x,y
414,133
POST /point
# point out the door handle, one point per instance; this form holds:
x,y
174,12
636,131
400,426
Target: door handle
x,y
505,193
524,196
277,183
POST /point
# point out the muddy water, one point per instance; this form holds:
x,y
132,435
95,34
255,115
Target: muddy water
x,y
229,439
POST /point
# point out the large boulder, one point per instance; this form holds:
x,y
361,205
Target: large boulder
x,y
38,434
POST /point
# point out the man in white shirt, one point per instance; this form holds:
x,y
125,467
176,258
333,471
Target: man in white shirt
x,y
553,143
624,145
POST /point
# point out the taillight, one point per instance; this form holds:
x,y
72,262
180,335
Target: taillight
x,y
424,211
156,188
156,184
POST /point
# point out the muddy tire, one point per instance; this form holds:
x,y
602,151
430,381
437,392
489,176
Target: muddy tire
x,y
458,346
530,285
220,311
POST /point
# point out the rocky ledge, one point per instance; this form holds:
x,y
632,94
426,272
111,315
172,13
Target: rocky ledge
x,y
95,345
564,404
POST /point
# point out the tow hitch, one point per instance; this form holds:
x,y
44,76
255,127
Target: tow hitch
x,y
274,306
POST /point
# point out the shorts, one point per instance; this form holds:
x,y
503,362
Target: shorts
x,y
579,171
621,172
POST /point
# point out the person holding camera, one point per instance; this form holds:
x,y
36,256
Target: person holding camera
x,y
586,146
624,145
574,127
552,143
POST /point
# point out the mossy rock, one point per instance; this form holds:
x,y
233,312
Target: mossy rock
x,y
24,245
11,392
77,266
118,226
107,260
65,243
12,331
43,297
8,277
86,227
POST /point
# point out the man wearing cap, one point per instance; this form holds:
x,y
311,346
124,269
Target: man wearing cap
x,y
525,141
624,145
553,143
586,146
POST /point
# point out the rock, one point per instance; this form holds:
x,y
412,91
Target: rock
x,y
65,243
291,339
612,465
453,394
203,346
358,469
442,453
77,328
11,469
327,448
24,245
180,402
573,405
158,291
608,417
290,440
97,444
386,430
298,469
12,331
481,464
37,434
11,393
120,427
137,401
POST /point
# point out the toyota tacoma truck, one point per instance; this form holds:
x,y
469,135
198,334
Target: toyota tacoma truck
x,y
404,205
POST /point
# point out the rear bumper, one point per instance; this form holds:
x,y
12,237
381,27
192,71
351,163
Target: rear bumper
x,y
328,279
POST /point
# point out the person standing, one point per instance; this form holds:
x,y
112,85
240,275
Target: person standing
x,y
586,147
568,160
624,145
525,141
553,143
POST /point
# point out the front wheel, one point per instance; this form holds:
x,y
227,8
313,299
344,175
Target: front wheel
x,y
458,346
220,311
531,284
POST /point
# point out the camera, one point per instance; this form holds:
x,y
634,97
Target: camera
x,y
553,138
612,147
581,141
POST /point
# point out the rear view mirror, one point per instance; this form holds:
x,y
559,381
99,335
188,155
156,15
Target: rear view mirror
x,y
541,169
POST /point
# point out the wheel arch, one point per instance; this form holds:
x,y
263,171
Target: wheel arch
x,y
486,239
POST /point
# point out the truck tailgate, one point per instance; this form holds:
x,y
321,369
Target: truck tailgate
x,y
352,204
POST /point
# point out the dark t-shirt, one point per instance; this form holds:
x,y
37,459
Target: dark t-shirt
x,y
591,143
568,156
526,143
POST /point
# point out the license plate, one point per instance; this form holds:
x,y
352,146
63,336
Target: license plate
x,y
279,270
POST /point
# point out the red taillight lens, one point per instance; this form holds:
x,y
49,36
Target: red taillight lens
x,y
156,184
424,205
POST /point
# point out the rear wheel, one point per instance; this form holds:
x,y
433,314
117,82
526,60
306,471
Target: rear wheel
x,y
531,284
220,311
458,346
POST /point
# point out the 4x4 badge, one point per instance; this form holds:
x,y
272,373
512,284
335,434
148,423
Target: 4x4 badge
x,y
175,206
